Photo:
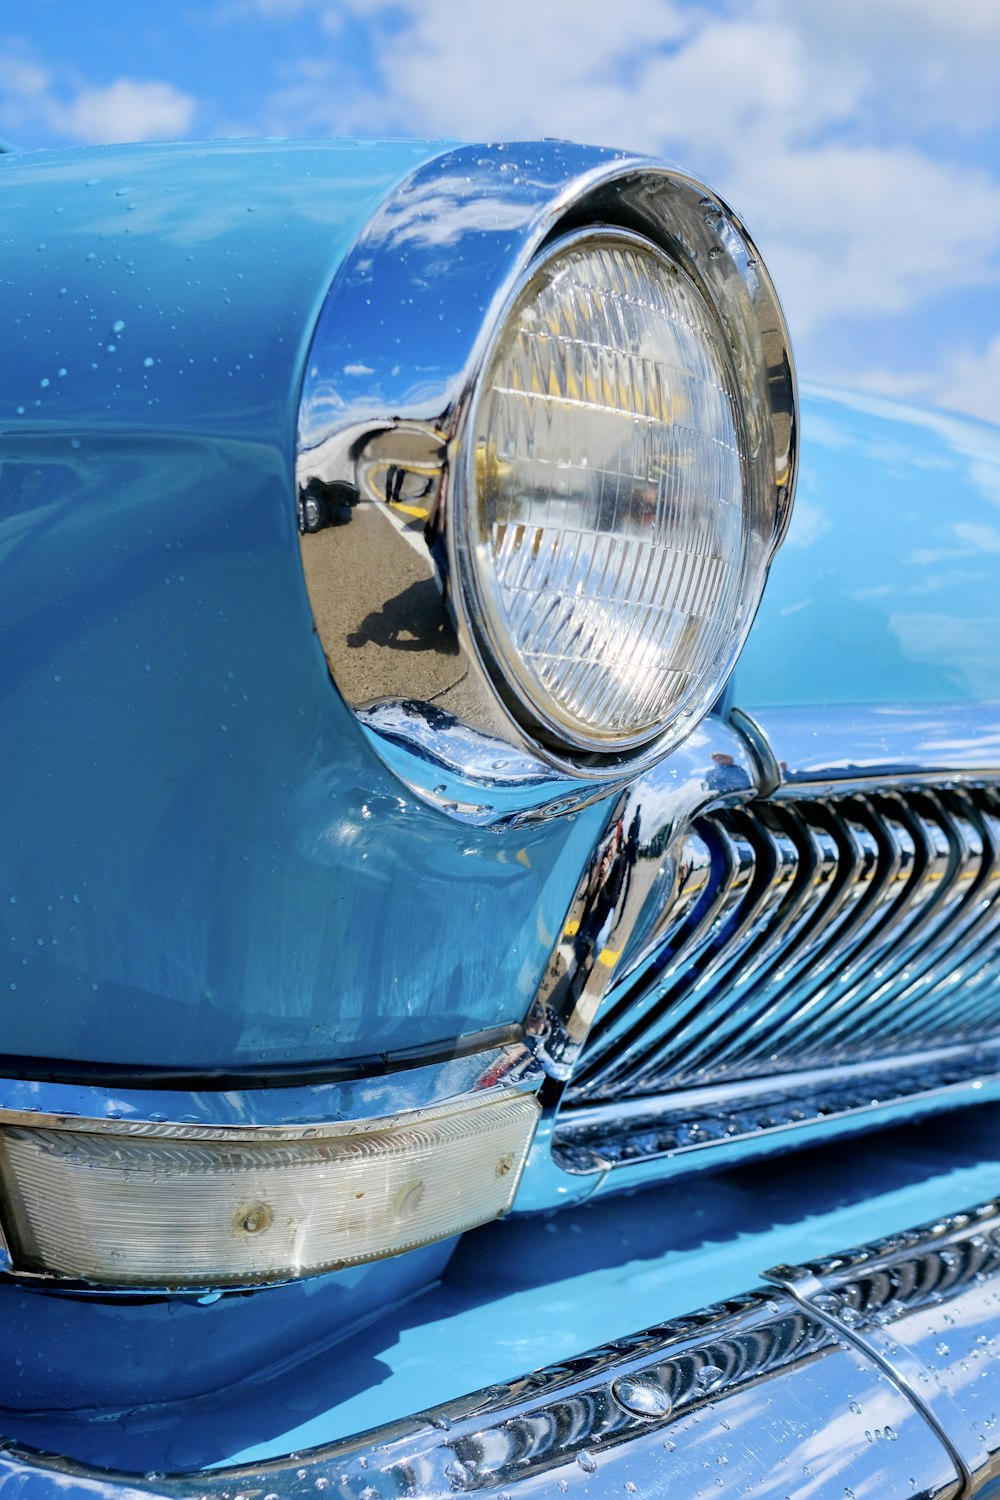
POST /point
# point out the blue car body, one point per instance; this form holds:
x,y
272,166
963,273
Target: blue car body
x,y
223,900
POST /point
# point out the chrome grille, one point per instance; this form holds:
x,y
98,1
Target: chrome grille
x,y
810,935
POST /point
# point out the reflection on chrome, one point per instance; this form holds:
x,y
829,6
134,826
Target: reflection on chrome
x,y
870,1373
629,886
386,462
765,951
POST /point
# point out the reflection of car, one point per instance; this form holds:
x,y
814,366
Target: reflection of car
x,y
319,505
446,1027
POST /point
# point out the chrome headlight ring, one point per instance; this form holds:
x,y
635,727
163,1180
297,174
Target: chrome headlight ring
x,y
435,563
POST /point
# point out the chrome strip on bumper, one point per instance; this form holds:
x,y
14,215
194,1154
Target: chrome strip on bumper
x,y
872,1373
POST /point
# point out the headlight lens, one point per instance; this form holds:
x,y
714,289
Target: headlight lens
x,y
608,525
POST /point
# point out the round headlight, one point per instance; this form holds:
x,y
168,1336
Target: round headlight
x,y
548,432
609,538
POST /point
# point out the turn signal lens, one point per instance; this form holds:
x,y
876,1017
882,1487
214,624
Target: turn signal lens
x,y
156,1210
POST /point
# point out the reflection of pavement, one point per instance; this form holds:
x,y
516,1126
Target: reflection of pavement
x,y
378,611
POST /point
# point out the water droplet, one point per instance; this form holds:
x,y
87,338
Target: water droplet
x,y
942,1348
709,1375
855,1407
458,1473
586,1462
642,1397
148,362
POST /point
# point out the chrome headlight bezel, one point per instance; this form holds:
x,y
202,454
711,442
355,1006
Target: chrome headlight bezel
x,y
385,419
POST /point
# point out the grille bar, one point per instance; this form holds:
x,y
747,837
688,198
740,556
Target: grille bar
x,y
810,934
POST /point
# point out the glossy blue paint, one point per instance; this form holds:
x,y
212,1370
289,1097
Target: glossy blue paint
x,y
885,588
62,1352
204,864
530,1291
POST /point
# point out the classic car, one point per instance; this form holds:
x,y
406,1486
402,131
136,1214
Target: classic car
x,y
493,1000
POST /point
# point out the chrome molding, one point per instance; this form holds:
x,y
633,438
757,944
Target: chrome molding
x,y
391,377
274,1111
690,1129
872,1372
813,955
626,893
923,1306
807,934
840,749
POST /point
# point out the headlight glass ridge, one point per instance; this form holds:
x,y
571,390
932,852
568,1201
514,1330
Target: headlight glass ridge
x,y
608,500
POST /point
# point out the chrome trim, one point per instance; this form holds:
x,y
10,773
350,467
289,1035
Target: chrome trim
x,y
626,892
836,748
828,932
381,420
271,1110
923,1305
711,1128
888,859
869,1373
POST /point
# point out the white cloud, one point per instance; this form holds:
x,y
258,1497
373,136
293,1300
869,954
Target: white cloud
x,y
21,78
844,231
972,382
968,381
943,51
981,538
854,137
128,109
776,104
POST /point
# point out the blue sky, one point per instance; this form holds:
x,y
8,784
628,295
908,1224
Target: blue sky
x,y
860,140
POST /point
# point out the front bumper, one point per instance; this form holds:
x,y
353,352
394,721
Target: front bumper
x,y
871,1373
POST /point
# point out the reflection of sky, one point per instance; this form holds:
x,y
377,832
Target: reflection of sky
x,y
887,585
833,129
